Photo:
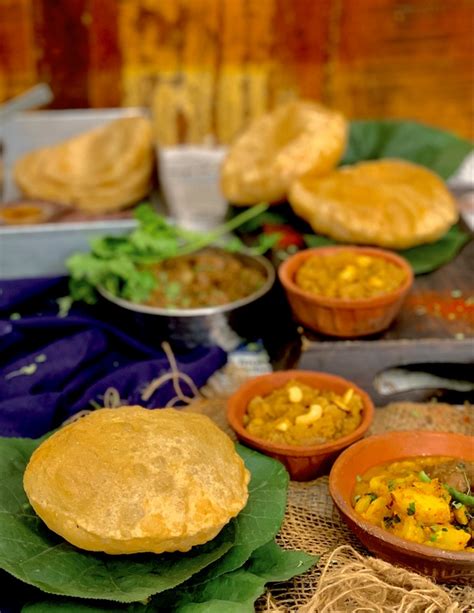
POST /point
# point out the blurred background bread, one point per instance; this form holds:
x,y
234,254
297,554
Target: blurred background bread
x,y
388,203
279,147
105,169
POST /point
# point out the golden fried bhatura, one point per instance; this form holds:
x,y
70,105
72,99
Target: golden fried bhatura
x,y
105,169
132,480
279,147
390,203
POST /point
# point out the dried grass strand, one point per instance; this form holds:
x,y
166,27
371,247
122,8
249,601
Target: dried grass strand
x,y
361,585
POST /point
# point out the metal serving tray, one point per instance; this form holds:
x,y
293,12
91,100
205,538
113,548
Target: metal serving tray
x,y
40,250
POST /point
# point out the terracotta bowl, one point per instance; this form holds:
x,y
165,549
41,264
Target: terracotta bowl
x,y
338,316
302,462
439,564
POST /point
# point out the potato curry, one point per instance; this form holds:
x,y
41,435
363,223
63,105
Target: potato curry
x,y
426,500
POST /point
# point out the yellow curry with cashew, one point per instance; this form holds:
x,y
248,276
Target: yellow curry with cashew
x,y
427,500
298,414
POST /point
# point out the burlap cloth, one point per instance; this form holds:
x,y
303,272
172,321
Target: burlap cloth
x,y
313,525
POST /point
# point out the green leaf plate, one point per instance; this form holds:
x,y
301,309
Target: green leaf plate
x,y
32,553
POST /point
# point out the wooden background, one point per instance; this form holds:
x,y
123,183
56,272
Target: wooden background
x,y
209,65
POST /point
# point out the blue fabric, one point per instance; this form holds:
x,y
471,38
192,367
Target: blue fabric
x,y
52,367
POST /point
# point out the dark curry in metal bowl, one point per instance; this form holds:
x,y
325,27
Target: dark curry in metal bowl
x,y
212,315
208,278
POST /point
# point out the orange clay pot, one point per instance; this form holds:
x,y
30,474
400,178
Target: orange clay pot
x,y
302,462
339,316
439,564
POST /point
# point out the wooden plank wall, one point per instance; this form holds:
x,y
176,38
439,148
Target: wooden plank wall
x,y
209,65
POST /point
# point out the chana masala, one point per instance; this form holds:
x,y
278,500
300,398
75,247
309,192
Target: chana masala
x,y
347,275
207,278
426,500
298,414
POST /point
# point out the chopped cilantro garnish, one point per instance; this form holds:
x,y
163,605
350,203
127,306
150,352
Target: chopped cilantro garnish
x,y
411,509
372,496
391,484
390,521
119,263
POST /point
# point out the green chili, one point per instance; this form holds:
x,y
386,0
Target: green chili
x,y
424,477
464,499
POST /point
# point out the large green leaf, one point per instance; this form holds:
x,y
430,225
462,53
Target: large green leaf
x,y
429,257
423,258
240,588
436,149
37,556
259,521
235,591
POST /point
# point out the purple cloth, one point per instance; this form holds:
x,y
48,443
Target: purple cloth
x,y
52,367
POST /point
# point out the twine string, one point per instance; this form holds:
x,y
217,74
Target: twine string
x,y
176,376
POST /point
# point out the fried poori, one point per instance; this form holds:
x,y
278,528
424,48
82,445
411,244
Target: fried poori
x,y
105,169
390,203
131,480
279,147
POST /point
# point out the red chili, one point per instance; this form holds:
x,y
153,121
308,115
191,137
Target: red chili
x,y
289,236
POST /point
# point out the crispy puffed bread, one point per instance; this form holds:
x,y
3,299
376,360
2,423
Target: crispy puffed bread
x,y
132,480
389,203
102,170
279,147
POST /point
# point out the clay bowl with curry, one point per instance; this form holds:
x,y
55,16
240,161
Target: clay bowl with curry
x,y
304,419
408,497
346,291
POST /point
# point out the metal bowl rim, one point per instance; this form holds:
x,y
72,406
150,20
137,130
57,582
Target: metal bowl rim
x,y
201,311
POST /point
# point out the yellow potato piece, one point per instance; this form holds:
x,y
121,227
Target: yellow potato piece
x,y
428,508
448,537
102,170
279,147
389,203
132,480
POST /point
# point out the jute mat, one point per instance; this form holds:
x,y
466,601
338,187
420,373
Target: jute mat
x,y
347,578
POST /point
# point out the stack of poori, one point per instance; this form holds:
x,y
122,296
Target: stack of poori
x,y
102,170
292,153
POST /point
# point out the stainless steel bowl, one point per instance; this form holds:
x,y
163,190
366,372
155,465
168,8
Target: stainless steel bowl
x,y
225,326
